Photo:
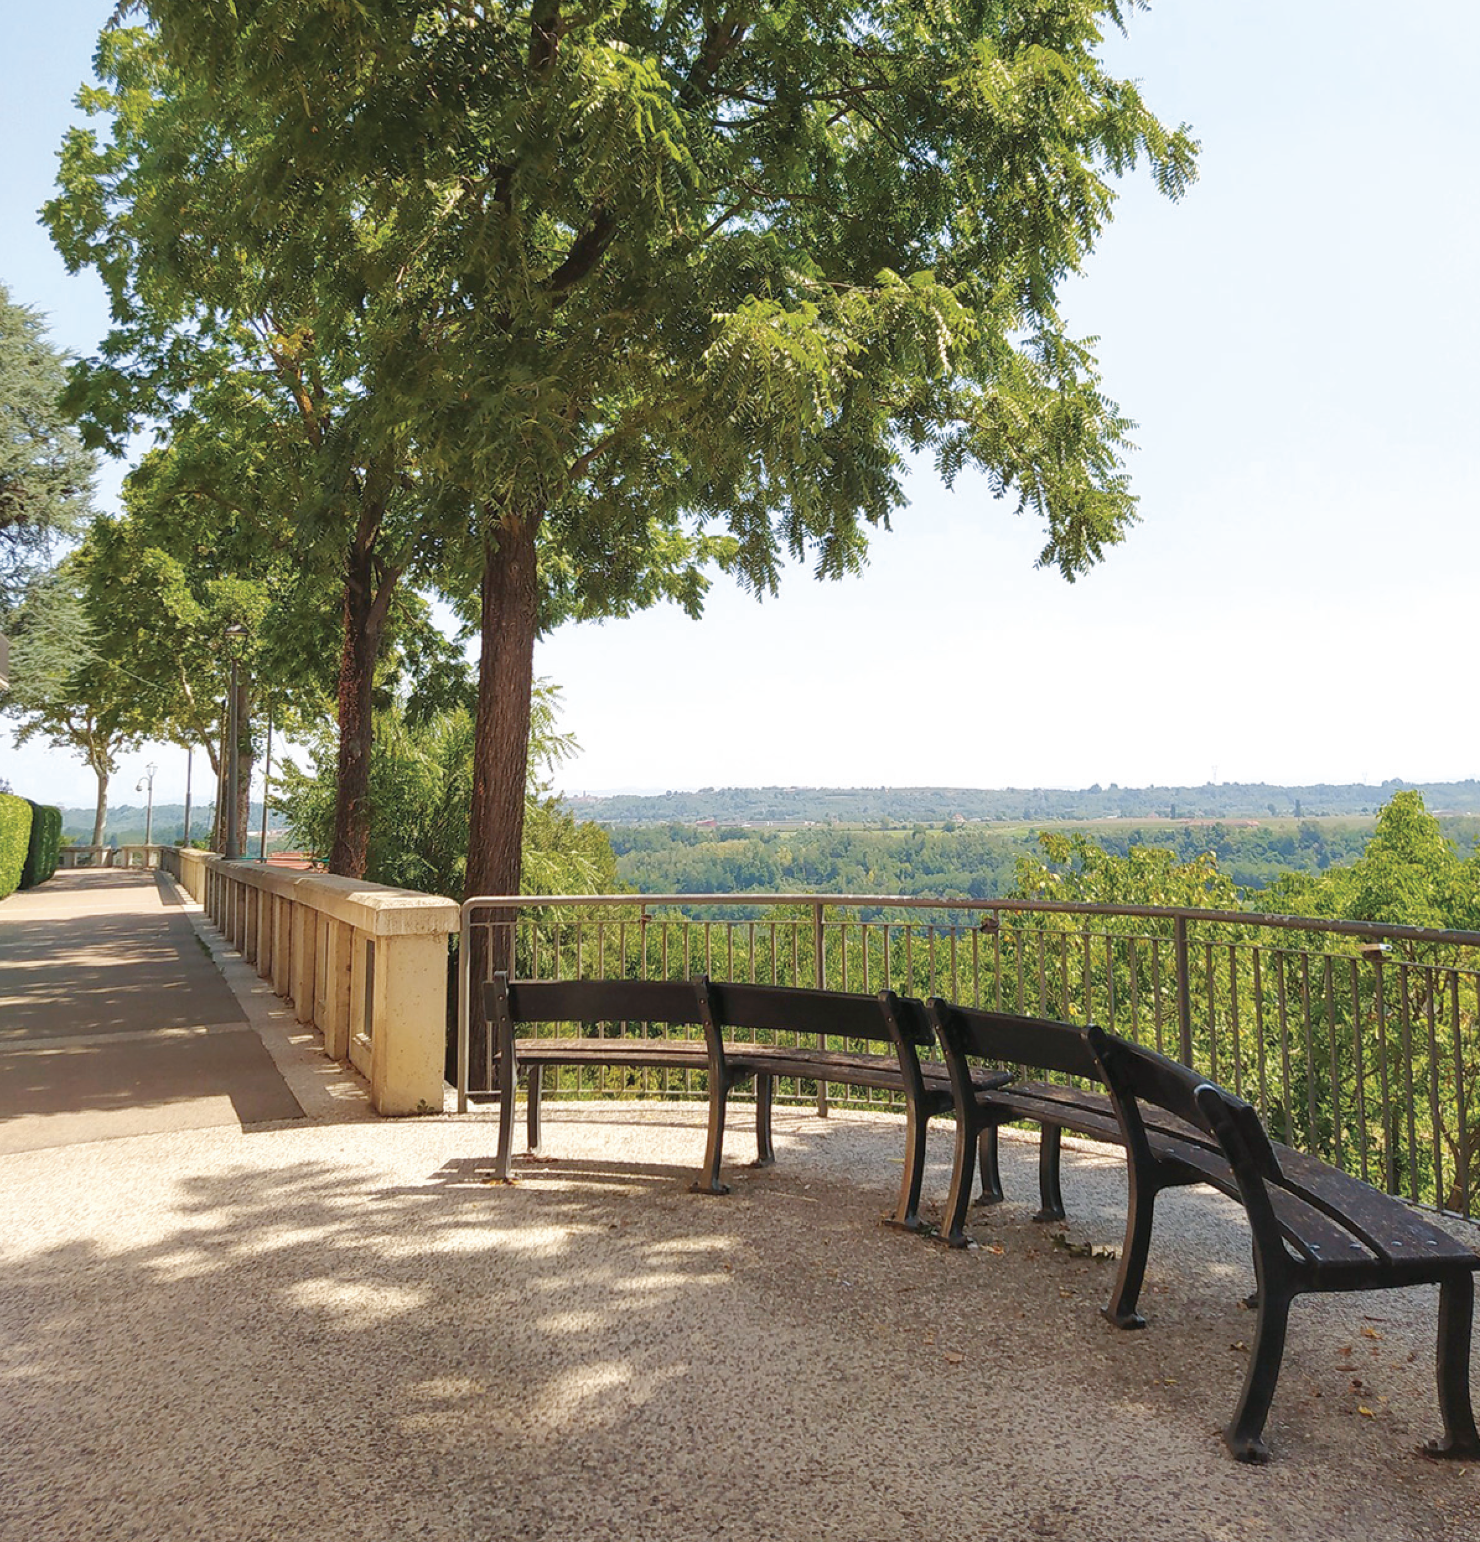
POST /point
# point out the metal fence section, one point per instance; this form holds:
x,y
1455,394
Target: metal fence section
x,y
1357,1042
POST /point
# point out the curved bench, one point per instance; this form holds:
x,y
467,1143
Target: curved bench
x,y
895,1023
1313,1228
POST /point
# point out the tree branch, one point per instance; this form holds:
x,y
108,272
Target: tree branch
x,y
585,253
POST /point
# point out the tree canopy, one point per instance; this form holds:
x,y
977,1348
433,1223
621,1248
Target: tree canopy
x,y
45,473
640,287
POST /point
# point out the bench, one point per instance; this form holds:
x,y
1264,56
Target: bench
x,y
896,1023
1314,1229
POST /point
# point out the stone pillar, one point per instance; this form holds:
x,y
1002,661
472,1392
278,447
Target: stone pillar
x,y
408,1014
304,949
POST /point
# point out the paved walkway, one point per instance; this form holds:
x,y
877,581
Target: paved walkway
x,y
115,1020
336,1326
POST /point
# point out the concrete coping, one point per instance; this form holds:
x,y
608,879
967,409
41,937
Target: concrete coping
x,y
368,907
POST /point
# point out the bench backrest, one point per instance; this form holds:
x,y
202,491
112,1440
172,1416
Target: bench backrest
x,y
1026,1041
784,1009
670,1002
835,1014
1137,1075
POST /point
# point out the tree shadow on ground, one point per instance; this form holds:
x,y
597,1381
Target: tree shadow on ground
x,y
317,1332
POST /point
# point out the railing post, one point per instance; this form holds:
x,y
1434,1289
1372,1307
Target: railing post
x,y
464,1005
1184,992
819,974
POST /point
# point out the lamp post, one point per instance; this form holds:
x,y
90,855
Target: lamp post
x,y
234,634
148,780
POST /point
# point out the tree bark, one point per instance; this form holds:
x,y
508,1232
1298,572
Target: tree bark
x,y
100,811
244,757
366,603
509,624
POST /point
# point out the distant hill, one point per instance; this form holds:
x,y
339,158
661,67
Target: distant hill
x,y
936,805
126,822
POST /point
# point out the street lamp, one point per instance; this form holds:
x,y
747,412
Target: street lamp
x,y
234,635
148,779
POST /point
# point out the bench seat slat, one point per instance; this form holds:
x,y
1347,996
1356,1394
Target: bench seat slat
x,y
880,1072
1396,1235
679,1054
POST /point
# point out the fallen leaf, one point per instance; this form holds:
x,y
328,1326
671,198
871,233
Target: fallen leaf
x,y
1370,1333
952,1358
1365,1412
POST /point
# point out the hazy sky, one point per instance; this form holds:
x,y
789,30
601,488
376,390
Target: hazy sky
x,y
1296,341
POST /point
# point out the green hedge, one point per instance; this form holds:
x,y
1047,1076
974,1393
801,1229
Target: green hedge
x,y
15,840
44,852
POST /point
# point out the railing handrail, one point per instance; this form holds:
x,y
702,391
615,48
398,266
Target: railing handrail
x,y
1378,930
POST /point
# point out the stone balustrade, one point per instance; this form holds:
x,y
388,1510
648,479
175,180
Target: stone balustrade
x,y
364,964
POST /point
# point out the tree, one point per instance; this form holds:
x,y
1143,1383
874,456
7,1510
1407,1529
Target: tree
x,y
262,316
421,770
187,560
215,345
62,691
45,473
640,271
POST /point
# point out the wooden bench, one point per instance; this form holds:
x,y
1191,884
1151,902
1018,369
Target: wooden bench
x,y
896,1023
1313,1228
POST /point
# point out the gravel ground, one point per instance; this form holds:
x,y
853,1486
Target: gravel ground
x,y
344,1329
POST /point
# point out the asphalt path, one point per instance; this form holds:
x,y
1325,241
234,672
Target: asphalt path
x,y
115,1019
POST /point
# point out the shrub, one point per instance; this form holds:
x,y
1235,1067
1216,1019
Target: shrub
x,y
15,841
43,853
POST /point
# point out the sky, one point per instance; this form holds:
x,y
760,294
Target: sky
x,y
1295,340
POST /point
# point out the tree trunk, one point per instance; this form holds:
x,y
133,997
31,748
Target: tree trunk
x,y
100,812
510,621
244,758
365,608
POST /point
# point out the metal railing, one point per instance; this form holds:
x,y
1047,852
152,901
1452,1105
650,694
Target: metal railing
x,y
1357,1042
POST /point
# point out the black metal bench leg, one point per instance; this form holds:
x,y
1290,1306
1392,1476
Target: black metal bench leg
x,y
1140,1211
1243,1436
765,1152
991,1172
1050,1196
532,1111
708,1182
907,1211
507,1079
1456,1311
960,1194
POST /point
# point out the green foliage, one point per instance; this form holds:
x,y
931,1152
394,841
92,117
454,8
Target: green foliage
x,y
44,846
63,691
15,841
45,474
1073,867
655,287
420,775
